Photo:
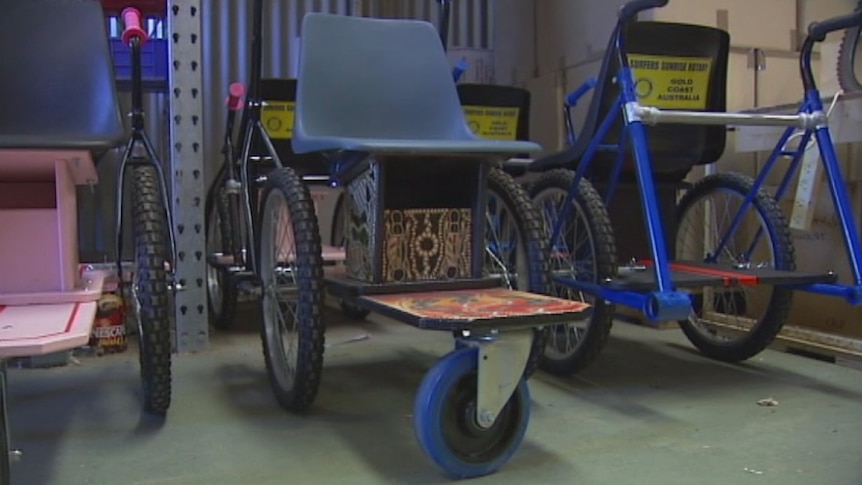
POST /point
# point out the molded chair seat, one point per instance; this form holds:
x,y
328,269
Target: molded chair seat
x,y
57,88
381,86
476,146
64,143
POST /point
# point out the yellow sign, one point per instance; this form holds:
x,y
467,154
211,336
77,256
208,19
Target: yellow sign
x,y
277,118
671,82
493,123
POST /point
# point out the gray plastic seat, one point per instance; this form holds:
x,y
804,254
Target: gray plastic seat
x,y
57,87
381,86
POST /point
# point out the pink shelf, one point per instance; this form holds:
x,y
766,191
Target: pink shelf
x,y
42,323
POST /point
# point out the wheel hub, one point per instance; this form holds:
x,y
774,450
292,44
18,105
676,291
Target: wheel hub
x,y
463,433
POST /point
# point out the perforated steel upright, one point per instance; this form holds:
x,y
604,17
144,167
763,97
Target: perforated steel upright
x,y
186,168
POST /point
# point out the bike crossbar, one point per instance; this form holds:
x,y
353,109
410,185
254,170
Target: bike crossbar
x,y
652,116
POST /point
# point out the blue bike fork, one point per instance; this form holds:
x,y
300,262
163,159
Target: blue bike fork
x,y
643,167
839,191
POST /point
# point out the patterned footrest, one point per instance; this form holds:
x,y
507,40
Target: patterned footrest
x,y
475,309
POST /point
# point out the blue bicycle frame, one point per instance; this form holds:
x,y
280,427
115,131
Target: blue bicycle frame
x,y
666,303
813,104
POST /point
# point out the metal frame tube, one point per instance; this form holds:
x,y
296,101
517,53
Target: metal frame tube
x,y
653,116
840,195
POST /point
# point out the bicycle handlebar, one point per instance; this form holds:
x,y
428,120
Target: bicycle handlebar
x,y
574,96
818,30
459,69
235,94
133,21
630,9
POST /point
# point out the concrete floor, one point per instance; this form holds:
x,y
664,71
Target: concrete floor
x,y
650,411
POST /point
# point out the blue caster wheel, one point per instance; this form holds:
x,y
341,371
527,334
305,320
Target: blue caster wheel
x,y
444,417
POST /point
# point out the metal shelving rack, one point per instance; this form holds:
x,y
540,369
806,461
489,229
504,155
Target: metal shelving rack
x,y
185,81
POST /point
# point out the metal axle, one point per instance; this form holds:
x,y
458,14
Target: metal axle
x,y
652,116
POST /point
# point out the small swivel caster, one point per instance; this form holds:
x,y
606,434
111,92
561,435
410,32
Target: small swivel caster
x,y
466,434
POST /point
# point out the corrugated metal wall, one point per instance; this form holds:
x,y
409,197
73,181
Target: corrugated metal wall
x,y
226,35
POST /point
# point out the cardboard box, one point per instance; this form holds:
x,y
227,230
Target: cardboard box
x,y
819,249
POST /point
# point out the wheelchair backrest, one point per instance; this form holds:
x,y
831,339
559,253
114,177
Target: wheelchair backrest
x,y
492,111
675,66
356,80
277,116
56,76
496,112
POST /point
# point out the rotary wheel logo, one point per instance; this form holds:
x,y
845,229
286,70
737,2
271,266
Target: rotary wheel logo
x,y
643,87
273,124
474,126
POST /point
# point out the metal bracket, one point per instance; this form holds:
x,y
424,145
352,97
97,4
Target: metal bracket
x,y
653,116
502,359
518,162
667,306
633,267
632,111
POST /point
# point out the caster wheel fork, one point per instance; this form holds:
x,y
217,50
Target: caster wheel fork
x,y
472,408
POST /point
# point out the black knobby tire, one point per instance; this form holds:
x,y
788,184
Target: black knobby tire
x,y
589,207
294,384
152,250
220,208
766,328
848,58
337,237
529,227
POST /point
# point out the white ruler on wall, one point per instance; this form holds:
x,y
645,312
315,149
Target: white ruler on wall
x,y
807,189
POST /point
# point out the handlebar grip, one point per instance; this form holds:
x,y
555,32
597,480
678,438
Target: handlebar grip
x,y
133,21
234,98
459,69
574,96
818,30
630,9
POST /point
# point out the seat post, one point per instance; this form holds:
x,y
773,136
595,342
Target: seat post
x,y
254,94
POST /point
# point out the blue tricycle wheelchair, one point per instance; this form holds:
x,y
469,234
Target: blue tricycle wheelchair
x,y
377,108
